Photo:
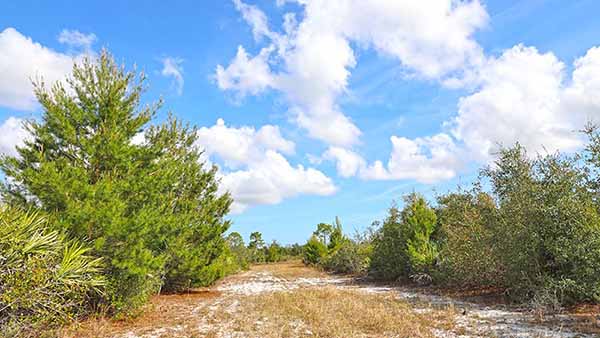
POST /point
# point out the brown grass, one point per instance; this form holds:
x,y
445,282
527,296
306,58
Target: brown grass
x,y
162,311
289,270
331,312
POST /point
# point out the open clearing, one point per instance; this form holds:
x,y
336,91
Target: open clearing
x,y
291,300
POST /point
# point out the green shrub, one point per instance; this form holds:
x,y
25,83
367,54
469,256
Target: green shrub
x,y
44,280
350,257
468,255
238,250
273,253
150,208
548,231
314,251
404,245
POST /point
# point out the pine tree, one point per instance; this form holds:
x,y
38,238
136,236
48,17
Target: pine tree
x,y
419,223
151,209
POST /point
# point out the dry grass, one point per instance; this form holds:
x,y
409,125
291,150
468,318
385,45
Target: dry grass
x,y
331,312
162,311
290,270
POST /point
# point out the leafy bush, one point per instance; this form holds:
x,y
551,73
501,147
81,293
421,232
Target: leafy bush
x,y
351,257
537,235
273,253
404,244
314,251
468,256
548,231
44,280
150,207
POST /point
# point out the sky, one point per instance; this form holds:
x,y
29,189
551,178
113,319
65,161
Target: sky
x,y
313,109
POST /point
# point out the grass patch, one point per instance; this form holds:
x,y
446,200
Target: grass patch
x,y
331,312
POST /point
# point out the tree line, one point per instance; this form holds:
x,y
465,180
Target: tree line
x,y
528,227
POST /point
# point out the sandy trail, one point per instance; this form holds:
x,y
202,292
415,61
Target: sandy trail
x,y
215,312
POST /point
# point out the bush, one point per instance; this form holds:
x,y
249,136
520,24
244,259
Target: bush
x,y
403,245
548,232
537,235
351,257
151,208
468,255
314,251
44,280
273,253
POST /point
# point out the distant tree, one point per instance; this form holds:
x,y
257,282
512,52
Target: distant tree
x,y
274,252
314,251
256,246
323,232
336,235
234,240
238,249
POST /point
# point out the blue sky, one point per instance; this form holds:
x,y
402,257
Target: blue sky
x,y
373,99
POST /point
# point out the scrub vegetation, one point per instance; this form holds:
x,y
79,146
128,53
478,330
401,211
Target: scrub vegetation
x,y
103,209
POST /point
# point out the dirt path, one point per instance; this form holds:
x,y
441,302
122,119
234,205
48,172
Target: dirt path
x,y
290,300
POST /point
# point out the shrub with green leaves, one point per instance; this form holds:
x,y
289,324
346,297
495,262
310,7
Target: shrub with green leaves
x,y
468,255
314,251
548,227
139,194
404,244
44,279
351,257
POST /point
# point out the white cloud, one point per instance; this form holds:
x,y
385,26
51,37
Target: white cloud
x,y
348,163
22,60
521,96
12,134
172,68
255,171
426,159
315,56
77,39
255,18
271,179
240,146
245,75
524,97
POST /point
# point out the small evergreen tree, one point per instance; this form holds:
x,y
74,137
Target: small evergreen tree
x,y
314,251
150,208
256,246
323,232
273,253
420,223
336,235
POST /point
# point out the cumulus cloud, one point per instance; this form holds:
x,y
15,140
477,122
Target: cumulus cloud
x,y
525,97
520,96
21,60
255,170
314,57
12,134
348,163
246,75
172,68
426,160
